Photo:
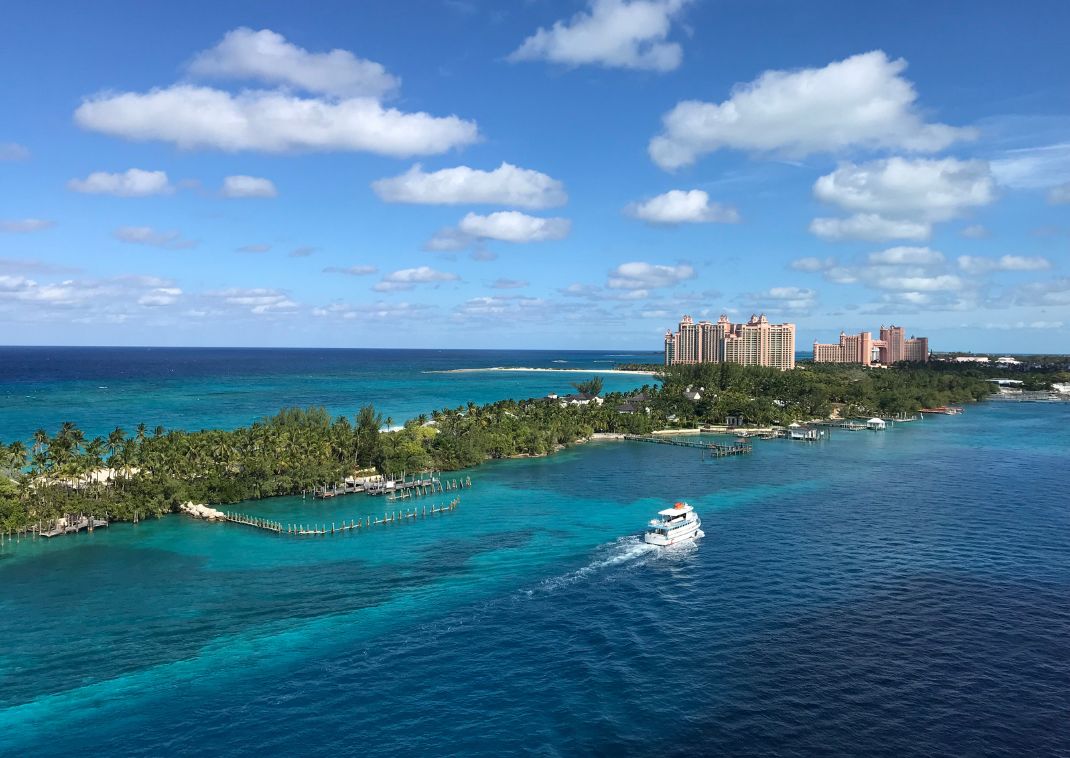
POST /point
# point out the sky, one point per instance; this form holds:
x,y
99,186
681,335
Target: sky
x,y
573,174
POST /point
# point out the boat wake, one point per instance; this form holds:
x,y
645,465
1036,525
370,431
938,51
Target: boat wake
x,y
626,553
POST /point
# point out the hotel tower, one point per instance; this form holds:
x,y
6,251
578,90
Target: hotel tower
x,y
861,348
755,343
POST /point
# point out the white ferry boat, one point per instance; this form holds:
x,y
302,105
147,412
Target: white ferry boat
x,y
673,525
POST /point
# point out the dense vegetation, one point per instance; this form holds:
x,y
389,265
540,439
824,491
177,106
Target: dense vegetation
x,y
297,449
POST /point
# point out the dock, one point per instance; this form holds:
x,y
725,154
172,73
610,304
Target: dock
x,y
715,449
73,527
397,489
353,526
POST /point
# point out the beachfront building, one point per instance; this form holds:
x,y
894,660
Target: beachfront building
x,y
755,343
862,349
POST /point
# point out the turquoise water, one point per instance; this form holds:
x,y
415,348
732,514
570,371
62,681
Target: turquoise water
x,y
880,593
196,388
896,593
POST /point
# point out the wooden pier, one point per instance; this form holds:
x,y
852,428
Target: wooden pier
x,y
354,525
716,449
396,489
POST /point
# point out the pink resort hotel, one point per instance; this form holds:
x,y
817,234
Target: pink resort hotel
x,y
861,348
755,343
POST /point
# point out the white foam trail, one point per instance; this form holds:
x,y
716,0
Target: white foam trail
x,y
626,550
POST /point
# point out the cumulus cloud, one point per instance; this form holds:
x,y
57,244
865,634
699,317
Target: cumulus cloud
x,y
1059,195
978,265
85,300
907,256
407,278
504,226
682,207
25,225
643,276
611,33
259,247
862,101
514,226
933,190
1051,292
258,301
201,117
303,251
502,308
871,227
248,186
146,235
377,311
351,270
13,151
783,299
266,56
159,297
133,182
505,185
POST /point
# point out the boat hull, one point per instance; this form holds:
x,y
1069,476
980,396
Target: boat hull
x,y
685,535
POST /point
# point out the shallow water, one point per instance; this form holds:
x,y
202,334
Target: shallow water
x,y
896,593
199,388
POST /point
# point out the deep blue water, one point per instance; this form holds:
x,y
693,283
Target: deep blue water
x,y
889,594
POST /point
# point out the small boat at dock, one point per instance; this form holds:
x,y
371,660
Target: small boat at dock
x,y
674,525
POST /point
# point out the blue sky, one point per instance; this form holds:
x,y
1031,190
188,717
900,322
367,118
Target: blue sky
x,y
571,174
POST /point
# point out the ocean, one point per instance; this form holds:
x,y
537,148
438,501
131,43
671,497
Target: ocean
x,y
891,593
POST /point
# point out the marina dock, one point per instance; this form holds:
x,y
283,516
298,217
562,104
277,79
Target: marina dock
x,y
353,526
715,449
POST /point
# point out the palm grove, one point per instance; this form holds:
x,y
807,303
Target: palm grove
x,y
150,473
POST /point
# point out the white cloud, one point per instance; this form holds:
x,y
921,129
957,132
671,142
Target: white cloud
x,y
929,190
259,247
267,56
13,151
783,299
375,311
351,270
862,101
505,185
1059,195
201,117
146,235
505,226
502,308
682,207
1034,167
642,276
907,256
977,265
248,186
303,251
258,301
160,296
920,283
871,227
133,182
407,278
613,33
25,225
1051,292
